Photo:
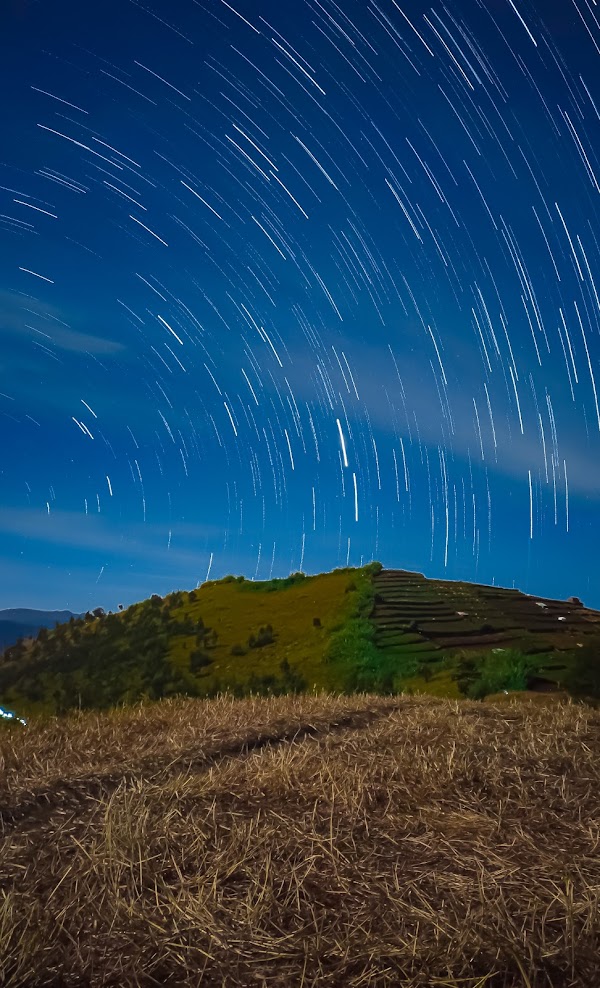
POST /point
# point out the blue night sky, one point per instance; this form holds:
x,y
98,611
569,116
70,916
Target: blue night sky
x,y
298,285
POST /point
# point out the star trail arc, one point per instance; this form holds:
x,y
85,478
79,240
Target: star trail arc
x,y
327,279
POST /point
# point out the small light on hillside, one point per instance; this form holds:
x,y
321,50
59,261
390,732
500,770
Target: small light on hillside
x,y
9,715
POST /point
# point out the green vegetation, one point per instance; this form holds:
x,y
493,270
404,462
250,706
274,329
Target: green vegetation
x,y
352,646
478,676
264,586
351,630
443,636
583,677
217,638
264,637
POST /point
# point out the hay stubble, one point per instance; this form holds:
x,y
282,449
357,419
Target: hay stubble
x,y
369,842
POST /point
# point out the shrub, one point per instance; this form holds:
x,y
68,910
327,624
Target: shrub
x,y
237,650
264,637
199,660
584,678
479,675
426,672
293,681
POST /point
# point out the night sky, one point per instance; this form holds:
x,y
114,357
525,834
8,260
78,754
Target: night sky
x,y
297,285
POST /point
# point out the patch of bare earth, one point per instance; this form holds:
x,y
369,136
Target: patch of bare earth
x,y
303,841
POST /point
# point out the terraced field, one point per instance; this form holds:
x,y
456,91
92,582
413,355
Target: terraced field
x,y
430,620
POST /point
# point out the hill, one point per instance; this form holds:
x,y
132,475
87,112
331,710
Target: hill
x,y
302,840
463,637
352,630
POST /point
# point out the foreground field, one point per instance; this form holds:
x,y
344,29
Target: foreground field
x,y
303,841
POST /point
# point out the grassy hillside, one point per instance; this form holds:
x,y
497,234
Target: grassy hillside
x,y
454,638
267,637
302,841
352,630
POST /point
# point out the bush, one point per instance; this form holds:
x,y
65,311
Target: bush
x,y
426,672
293,681
270,586
479,675
584,678
199,660
238,650
264,637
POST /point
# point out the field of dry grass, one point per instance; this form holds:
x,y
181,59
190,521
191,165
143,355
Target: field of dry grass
x,y
303,841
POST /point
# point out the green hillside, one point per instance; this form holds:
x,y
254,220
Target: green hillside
x,y
456,638
351,630
270,637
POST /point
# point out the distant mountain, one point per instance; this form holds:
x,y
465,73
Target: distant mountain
x,y
25,622
29,615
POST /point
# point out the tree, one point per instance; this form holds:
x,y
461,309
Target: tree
x,y
210,638
584,679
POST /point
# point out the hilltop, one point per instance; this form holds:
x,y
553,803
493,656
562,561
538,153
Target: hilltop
x,y
316,841
351,630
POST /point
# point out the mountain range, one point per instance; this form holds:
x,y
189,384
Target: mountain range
x,y
25,622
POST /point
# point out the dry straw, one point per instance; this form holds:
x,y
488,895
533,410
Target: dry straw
x,y
303,841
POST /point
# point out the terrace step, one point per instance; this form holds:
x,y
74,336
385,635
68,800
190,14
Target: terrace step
x,y
474,641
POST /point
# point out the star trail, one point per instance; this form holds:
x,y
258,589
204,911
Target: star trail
x,y
298,286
